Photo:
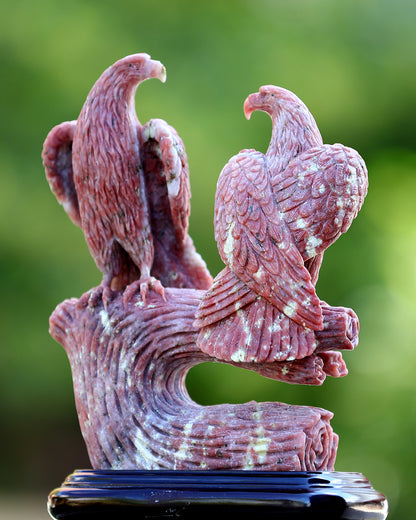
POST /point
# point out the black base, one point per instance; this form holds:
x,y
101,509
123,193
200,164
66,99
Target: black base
x,y
294,495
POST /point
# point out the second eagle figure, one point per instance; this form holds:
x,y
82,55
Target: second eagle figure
x,y
127,186
275,214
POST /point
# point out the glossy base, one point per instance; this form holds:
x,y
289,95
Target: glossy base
x,y
88,494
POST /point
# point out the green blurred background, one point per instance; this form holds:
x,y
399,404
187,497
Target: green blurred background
x,y
354,65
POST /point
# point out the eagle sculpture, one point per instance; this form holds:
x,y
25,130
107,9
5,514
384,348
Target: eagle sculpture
x,y
127,186
157,313
275,214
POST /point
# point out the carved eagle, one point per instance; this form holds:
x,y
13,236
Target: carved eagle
x,y
275,214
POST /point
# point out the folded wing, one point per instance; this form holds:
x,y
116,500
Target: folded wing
x,y
256,244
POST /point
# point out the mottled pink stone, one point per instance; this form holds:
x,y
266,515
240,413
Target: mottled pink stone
x,y
132,340
129,365
275,214
126,185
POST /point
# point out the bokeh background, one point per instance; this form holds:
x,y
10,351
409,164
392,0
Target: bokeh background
x,y
353,63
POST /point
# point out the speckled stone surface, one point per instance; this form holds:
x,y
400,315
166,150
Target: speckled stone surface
x,y
131,340
275,214
129,365
126,185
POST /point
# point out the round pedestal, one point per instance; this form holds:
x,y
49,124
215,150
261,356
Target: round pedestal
x,y
89,494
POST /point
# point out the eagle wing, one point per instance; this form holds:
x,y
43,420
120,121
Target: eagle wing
x,y
319,194
256,244
161,142
57,160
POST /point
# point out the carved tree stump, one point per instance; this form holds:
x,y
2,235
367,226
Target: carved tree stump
x,y
129,366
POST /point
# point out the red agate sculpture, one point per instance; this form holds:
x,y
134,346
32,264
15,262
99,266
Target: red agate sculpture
x,y
157,312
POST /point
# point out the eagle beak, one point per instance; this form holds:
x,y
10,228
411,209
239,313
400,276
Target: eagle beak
x,y
251,104
158,71
162,74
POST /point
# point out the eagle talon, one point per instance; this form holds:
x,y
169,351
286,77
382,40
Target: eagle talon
x,y
94,298
151,283
100,295
143,285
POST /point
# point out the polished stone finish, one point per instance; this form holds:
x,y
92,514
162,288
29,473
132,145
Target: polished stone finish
x,y
156,313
